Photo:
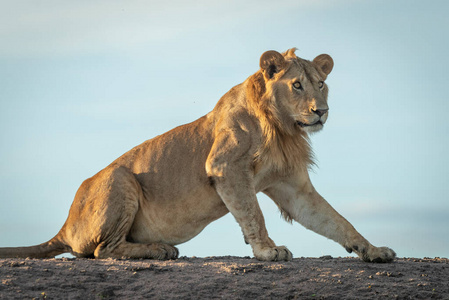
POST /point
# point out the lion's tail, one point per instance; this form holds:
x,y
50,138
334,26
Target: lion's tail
x,y
45,250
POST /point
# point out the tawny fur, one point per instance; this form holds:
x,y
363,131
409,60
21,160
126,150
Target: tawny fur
x,y
166,190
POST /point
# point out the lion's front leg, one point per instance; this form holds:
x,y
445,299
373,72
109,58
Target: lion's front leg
x,y
304,205
228,165
240,198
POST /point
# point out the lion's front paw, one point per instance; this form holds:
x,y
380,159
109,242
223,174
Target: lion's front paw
x,y
379,255
374,254
370,253
273,254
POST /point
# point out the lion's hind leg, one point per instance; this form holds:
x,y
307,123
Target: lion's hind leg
x,y
102,216
121,203
135,250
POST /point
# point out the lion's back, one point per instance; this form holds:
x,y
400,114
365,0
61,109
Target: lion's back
x,y
178,155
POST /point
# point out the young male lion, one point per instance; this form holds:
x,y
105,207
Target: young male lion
x,y
166,190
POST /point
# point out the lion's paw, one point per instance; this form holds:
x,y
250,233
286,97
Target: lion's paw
x,y
379,255
373,254
274,254
172,253
163,252
370,253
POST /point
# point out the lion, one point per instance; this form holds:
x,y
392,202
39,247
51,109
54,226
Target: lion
x,y
165,191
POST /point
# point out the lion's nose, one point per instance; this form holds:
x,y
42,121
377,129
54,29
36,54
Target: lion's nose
x,y
320,112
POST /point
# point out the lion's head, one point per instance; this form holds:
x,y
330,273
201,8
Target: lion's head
x,y
294,90
289,97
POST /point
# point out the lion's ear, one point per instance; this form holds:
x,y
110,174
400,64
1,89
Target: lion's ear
x,y
271,62
325,63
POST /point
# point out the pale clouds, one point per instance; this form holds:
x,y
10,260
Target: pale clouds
x,y
31,28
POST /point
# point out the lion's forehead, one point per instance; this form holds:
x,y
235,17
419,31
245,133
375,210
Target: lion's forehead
x,y
304,70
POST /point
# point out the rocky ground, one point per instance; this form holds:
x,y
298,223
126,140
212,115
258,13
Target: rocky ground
x,y
224,277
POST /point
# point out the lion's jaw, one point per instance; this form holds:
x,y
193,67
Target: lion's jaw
x,y
311,123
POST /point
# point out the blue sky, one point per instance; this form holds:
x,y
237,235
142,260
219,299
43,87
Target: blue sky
x,y
81,83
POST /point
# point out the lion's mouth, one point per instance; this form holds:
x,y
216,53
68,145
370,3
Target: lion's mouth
x,y
301,124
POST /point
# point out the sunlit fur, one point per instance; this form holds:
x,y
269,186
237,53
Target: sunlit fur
x,y
284,144
278,109
167,190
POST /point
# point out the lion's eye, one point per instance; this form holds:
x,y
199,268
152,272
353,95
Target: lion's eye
x,y
320,84
297,85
